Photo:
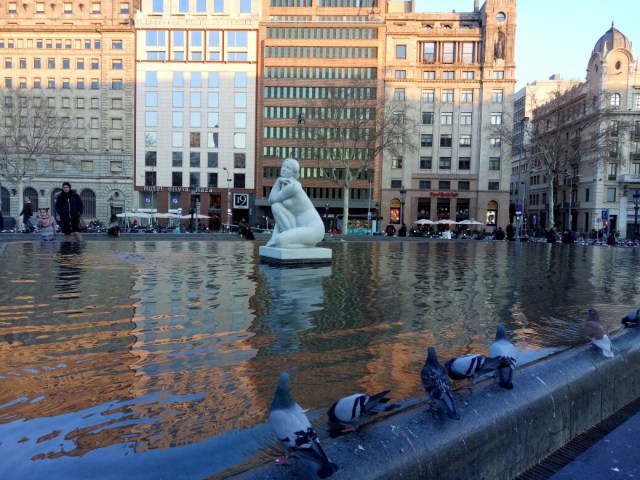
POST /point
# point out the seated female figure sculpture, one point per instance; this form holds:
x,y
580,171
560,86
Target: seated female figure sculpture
x,y
298,223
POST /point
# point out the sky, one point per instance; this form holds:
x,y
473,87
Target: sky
x,y
557,36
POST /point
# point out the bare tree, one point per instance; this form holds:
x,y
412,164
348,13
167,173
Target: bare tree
x,y
351,130
33,135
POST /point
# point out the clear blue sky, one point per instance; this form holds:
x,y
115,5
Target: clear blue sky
x,y
557,36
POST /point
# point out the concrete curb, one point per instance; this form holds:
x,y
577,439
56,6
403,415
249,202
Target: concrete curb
x,y
501,432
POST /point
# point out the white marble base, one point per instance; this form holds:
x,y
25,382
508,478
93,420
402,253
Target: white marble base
x,y
295,256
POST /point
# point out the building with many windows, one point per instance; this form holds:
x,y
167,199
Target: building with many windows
x,y
597,179
458,70
79,55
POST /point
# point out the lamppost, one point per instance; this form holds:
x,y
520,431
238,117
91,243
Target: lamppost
x,y
192,207
519,202
403,196
636,201
377,215
228,199
326,217
570,227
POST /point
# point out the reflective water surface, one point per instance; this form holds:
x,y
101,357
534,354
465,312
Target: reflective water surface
x,y
160,359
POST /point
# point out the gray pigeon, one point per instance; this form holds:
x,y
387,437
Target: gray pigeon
x,y
631,319
597,333
437,385
473,365
292,428
502,347
350,410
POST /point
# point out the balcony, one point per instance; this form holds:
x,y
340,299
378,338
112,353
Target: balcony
x,y
630,178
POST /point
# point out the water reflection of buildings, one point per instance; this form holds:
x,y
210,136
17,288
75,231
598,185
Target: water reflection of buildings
x,y
65,345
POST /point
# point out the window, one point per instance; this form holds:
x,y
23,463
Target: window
x,y
95,8
151,99
212,180
445,140
444,185
611,194
401,74
401,52
444,163
177,119
468,75
613,171
424,185
396,162
37,63
465,118
176,179
194,179
239,160
427,118
498,74
429,52
495,142
429,75
240,120
124,8
425,163
398,94
239,140
497,96
615,100
466,96
614,127
396,184
448,75
447,96
151,119
240,100
464,185
613,149
494,163
212,159
426,140
245,6
446,118
494,186
195,119
117,64
176,159
116,84
51,63
464,163
194,139
194,159
150,159
67,7
428,96
12,7
496,119
86,165
465,140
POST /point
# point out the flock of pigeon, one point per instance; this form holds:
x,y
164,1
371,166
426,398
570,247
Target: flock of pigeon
x,y
299,439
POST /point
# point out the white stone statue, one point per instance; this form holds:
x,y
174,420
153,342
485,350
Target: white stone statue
x,y
298,223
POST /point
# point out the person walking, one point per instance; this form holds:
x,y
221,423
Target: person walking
x,y
27,213
69,210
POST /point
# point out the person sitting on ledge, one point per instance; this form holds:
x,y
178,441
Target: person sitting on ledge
x,y
298,223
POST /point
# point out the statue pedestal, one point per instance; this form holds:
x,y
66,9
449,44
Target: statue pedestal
x,y
295,256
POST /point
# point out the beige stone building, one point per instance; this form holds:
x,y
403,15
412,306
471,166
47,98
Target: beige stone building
x,y
79,55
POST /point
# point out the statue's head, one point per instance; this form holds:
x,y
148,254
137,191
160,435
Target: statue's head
x,y
290,168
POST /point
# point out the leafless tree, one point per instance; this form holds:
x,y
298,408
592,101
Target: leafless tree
x,y
33,135
352,129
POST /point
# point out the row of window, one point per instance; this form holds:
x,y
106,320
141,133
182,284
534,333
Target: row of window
x,y
447,95
318,113
196,79
442,52
319,52
446,75
64,83
444,185
196,100
177,179
58,43
444,163
67,8
196,39
320,72
310,153
65,63
199,6
195,139
151,158
323,33
360,93
80,102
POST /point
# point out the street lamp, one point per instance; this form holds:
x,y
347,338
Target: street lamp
x,y
571,200
228,199
192,207
519,202
403,196
377,215
636,200
326,217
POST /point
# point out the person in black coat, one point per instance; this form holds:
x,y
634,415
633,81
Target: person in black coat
x,y
69,210
27,213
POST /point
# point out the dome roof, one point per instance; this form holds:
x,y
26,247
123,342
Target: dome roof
x,y
610,40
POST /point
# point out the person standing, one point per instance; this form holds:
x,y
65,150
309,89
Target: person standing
x,y
46,225
27,213
69,209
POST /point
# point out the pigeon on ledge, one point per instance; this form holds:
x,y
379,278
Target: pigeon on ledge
x,y
502,347
631,319
291,426
437,385
473,366
350,410
597,333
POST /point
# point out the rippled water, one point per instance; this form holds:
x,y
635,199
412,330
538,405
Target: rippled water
x,y
160,359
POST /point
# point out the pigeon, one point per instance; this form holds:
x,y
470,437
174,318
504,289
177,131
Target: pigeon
x,y
631,319
502,347
350,410
437,385
291,426
473,365
597,333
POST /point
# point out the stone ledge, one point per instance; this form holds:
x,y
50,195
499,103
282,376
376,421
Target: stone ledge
x,y
501,433
295,256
